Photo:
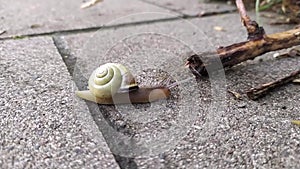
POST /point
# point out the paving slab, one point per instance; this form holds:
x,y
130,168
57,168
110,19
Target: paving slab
x,y
224,132
42,124
194,7
34,16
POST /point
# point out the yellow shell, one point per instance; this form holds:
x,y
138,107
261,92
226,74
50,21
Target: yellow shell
x,y
109,79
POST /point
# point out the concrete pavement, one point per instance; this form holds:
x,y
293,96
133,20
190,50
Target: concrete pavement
x,y
44,125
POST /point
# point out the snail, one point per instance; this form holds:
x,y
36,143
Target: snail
x,y
112,83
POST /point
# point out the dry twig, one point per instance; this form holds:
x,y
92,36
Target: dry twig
x,y
291,53
260,91
258,43
235,94
2,32
296,122
90,3
296,81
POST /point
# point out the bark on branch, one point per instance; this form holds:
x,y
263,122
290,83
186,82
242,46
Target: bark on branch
x,y
258,43
260,91
253,29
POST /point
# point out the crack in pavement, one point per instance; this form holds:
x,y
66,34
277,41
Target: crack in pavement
x,y
96,28
81,83
205,14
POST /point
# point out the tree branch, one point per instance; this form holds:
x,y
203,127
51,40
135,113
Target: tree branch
x,y
260,91
253,29
258,43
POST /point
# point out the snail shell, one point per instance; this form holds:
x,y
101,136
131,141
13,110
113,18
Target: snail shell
x,y
112,83
109,79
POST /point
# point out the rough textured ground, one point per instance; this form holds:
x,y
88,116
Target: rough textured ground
x,y
33,16
248,134
193,8
44,124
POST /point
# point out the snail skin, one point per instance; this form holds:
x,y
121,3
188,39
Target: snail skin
x,y
112,83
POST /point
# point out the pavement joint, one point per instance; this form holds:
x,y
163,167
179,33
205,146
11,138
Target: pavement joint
x,y
59,134
86,30
70,62
65,53
164,7
93,29
184,15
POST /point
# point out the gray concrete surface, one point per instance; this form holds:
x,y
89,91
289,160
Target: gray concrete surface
x,y
34,16
42,124
249,134
193,8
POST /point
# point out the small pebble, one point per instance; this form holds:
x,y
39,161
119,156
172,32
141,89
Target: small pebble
x,y
242,105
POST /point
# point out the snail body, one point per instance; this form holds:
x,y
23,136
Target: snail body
x,y
112,83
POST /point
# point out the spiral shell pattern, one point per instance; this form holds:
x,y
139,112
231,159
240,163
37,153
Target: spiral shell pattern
x,y
110,78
